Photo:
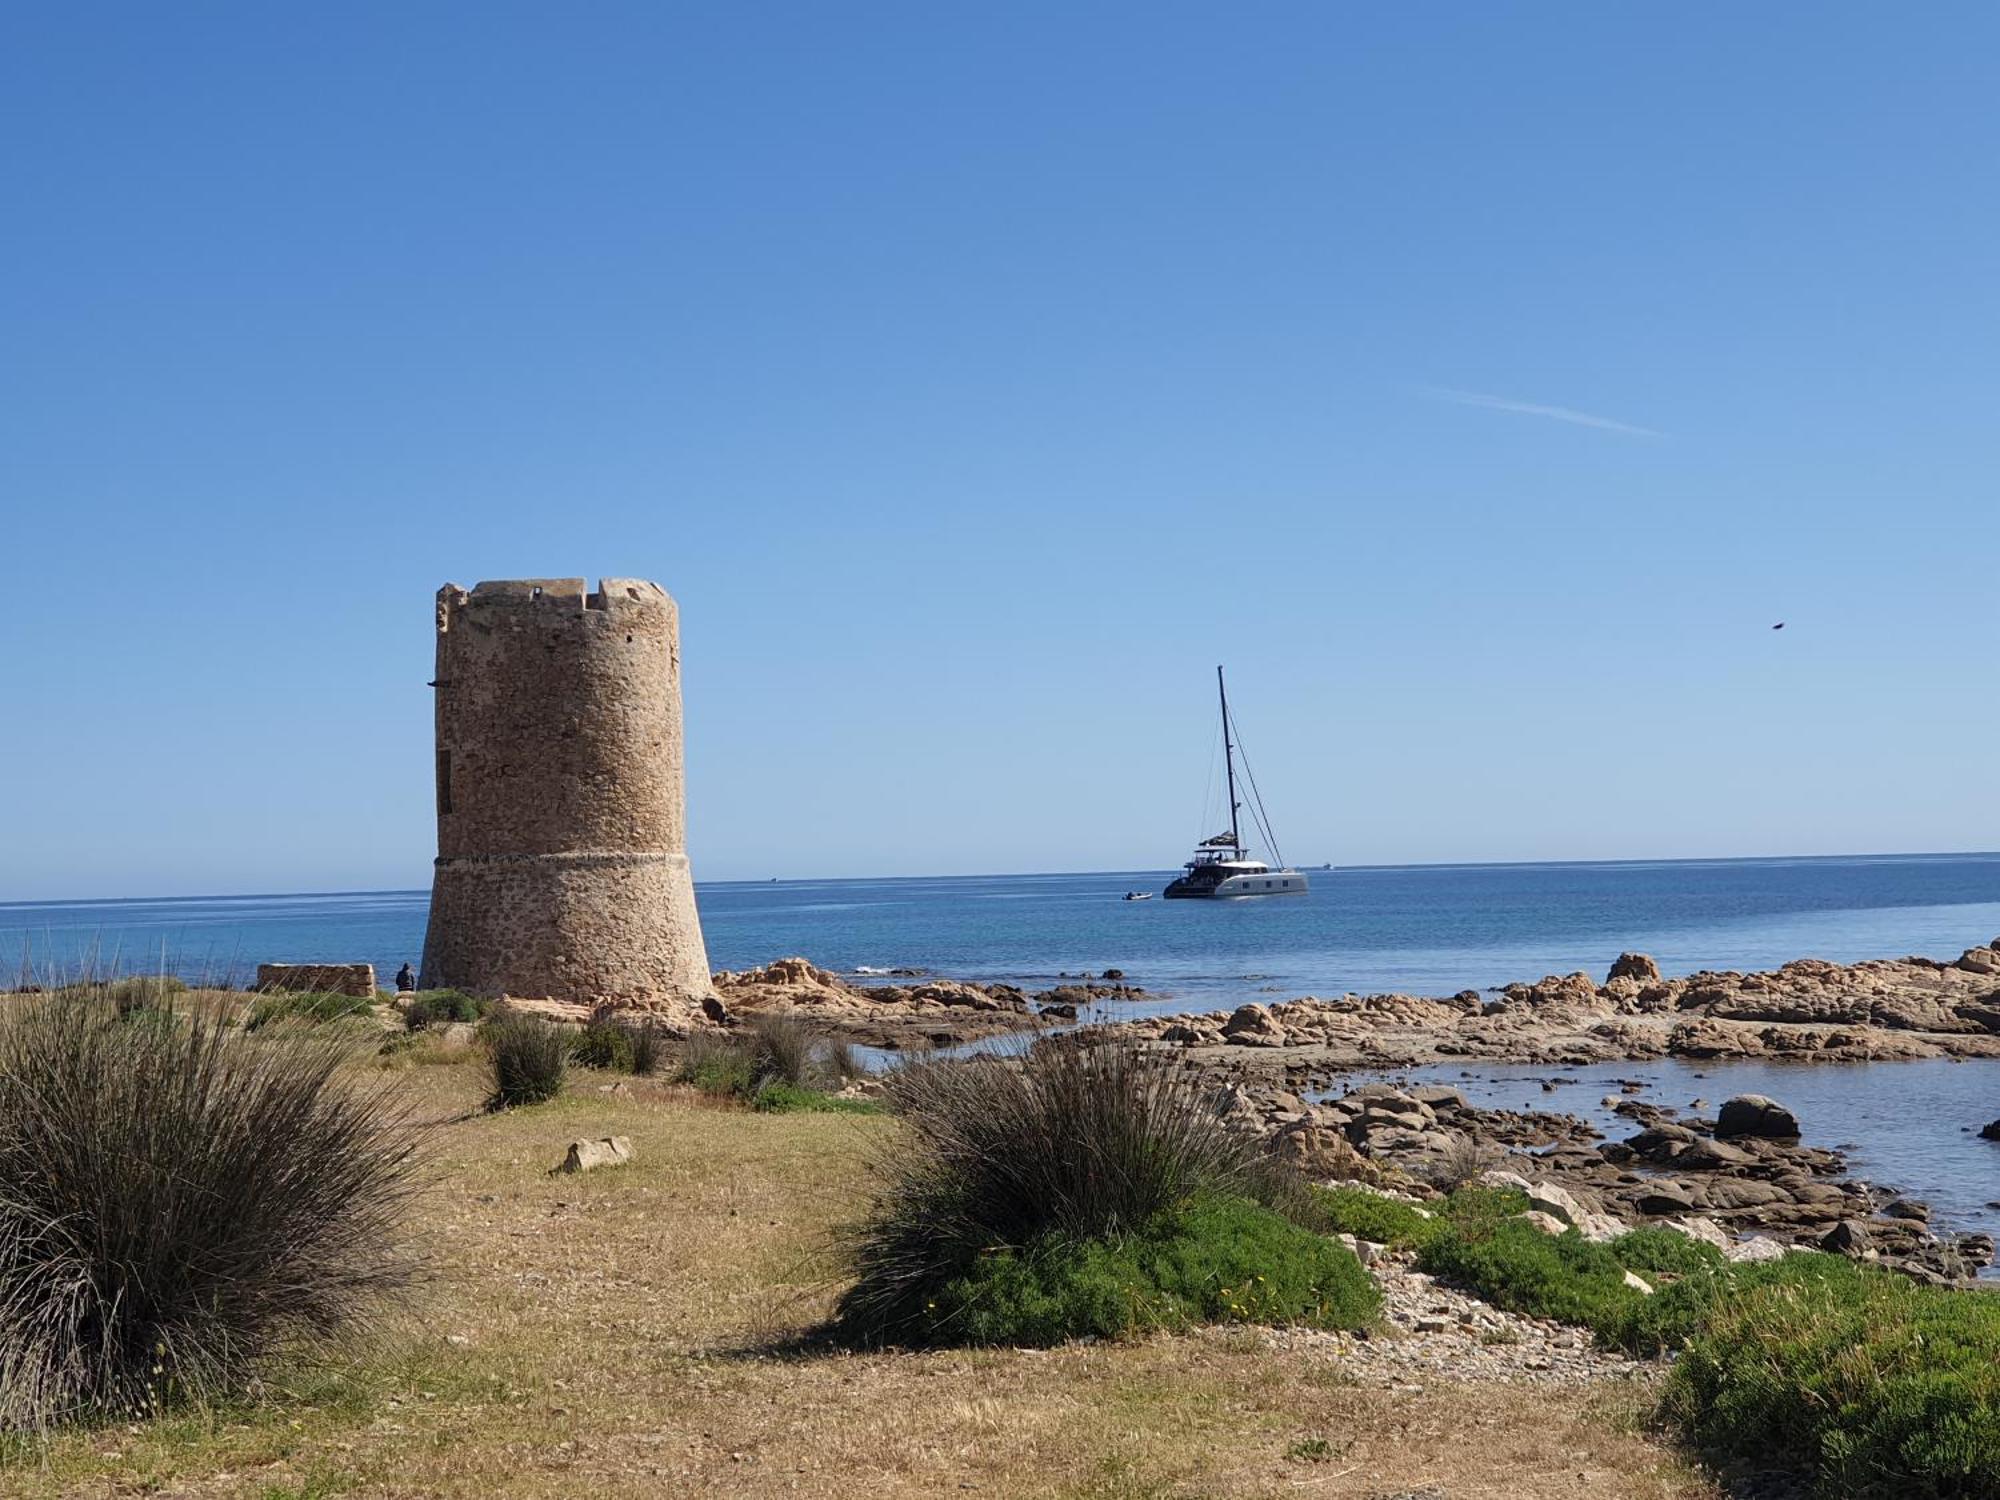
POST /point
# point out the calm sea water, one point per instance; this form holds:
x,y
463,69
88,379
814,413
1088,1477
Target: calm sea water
x,y
1428,930
1425,929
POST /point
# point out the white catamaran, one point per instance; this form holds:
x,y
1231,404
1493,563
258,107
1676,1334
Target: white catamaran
x,y
1221,866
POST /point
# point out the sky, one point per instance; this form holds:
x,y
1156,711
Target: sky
x,y
1480,383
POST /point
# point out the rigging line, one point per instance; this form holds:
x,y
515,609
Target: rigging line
x,y
1257,798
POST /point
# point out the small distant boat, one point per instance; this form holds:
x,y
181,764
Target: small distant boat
x,y
1138,895
1221,867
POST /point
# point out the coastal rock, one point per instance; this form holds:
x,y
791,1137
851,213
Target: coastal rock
x,y
932,1011
1545,1197
1756,1250
1253,1026
1991,1132
1848,1237
1755,1115
1634,966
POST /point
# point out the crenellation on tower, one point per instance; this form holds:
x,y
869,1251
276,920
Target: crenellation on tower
x,y
562,866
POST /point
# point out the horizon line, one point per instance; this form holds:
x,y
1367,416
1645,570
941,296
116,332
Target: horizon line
x,y
1449,864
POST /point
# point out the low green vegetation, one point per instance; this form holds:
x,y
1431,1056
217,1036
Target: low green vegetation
x,y
428,1008
779,1097
527,1060
314,1007
1081,1190
1406,1225
1878,1386
1211,1259
1870,1383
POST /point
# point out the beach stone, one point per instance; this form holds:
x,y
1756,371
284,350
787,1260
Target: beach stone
x,y
1848,1237
1634,966
1755,1115
587,1156
1907,1208
1756,1250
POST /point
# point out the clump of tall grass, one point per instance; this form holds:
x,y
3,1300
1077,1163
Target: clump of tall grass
x,y
605,1045
527,1060
1080,1189
181,1201
778,1062
649,1048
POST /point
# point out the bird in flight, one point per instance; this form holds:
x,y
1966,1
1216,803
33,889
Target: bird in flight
x,y
1779,626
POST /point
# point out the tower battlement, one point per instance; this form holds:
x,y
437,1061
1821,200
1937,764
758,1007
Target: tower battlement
x,y
562,866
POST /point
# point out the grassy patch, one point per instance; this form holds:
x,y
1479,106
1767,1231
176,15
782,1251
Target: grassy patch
x,y
314,1007
1211,1260
779,1097
605,1045
427,1008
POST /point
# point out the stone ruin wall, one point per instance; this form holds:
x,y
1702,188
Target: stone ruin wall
x,y
562,868
334,979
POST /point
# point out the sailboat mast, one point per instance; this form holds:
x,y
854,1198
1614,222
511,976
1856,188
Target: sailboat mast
x,y
1229,763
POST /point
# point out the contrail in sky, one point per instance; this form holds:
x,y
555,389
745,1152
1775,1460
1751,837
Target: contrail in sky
x,y
1535,409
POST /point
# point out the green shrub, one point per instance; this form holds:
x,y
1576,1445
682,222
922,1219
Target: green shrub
x,y
1212,1259
311,1006
427,1008
778,1097
1071,1145
1872,1384
649,1048
1370,1216
1515,1266
528,1058
183,1202
603,1044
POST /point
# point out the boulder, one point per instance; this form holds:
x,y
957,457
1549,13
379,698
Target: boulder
x,y
1755,1115
1695,1227
1253,1026
1547,1198
587,1156
1639,1284
1991,1132
1848,1237
1709,1156
1634,966
1499,1177
1907,1208
1547,1223
1743,1192
1659,1198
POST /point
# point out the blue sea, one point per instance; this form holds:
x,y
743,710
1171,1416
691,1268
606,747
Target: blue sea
x,y
1431,929
1423,929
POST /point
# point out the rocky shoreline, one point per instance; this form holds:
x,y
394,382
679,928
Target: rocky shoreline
x,y
1808,1010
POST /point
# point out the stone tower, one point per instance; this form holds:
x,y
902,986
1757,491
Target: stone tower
x,y
562,866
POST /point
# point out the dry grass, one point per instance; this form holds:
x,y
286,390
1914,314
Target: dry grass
x,y
589,1335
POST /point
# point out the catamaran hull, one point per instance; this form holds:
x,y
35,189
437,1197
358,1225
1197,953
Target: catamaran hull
x,y
1277,883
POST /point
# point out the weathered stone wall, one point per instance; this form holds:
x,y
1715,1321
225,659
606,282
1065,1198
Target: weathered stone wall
x,y
561,865
333,979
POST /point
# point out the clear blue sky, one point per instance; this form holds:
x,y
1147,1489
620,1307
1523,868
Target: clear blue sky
x,y
1479,382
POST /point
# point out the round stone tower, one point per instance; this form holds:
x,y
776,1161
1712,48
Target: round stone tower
x,y
562,868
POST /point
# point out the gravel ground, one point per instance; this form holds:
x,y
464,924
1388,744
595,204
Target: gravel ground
x,y
1430,1331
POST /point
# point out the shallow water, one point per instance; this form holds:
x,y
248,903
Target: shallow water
x,y
1912,1126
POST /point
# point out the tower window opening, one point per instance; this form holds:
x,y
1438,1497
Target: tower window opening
x,y
444,781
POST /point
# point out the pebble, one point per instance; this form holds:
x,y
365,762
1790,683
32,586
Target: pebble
x,y
1430,1331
